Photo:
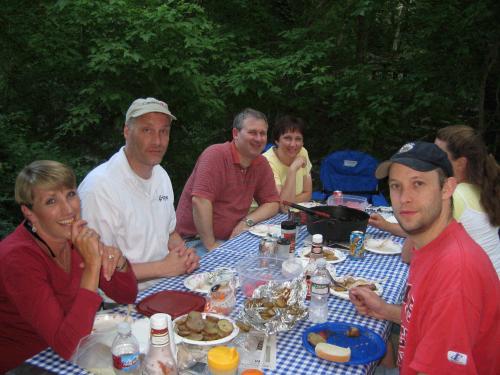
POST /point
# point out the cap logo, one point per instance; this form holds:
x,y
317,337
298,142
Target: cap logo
x,y
406,147
154,101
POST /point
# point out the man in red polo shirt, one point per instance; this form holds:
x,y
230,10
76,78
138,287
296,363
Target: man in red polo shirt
x,y
217,196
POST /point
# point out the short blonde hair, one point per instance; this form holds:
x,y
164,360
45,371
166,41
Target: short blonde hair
x,y
43,174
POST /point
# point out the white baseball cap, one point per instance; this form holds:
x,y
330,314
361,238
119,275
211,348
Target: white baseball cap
x,y
142,106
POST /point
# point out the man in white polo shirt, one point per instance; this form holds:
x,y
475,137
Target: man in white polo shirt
x,y
129,199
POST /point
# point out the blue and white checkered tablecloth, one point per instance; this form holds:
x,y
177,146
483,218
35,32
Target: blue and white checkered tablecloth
x,y
292,358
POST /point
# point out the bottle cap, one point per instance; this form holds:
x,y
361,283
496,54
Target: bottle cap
x,y
158,321
123,328
321,262
252,371
223,358
288,225
317,238
283,241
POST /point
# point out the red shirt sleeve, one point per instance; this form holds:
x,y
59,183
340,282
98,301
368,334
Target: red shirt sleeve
x,y
122,287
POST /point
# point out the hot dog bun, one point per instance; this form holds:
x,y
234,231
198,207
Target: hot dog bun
x,y
333,353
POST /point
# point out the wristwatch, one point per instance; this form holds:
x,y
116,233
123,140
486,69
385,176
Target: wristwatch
x,y
249,222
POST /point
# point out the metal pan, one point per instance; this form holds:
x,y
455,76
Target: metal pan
x,y
338,228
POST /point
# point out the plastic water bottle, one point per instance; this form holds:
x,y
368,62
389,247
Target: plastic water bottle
x,y
125,351
320,290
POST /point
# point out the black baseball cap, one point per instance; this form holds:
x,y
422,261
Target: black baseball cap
x,y
420,156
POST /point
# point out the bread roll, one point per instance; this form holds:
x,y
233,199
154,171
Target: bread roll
x,y
333,353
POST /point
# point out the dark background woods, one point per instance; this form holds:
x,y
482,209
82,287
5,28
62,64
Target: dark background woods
x,y
364,74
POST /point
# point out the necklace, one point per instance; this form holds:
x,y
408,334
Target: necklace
x,y
65,260
63,263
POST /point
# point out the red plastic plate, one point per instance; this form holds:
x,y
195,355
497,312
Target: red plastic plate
x,y
173,302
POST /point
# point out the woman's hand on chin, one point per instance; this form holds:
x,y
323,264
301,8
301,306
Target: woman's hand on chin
x,y
86,241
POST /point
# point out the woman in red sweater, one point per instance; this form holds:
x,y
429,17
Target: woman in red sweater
x,y
51,267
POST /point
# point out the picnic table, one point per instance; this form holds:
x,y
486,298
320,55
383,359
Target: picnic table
x,y
291,355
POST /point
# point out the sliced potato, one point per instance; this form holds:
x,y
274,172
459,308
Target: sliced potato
x,y
195,336
225,326
243,326
195,325
194,315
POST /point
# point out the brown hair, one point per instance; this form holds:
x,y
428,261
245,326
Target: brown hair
x,y
287,124
44,174
482,168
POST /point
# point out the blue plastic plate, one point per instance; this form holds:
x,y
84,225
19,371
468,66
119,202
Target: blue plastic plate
x,y
365,348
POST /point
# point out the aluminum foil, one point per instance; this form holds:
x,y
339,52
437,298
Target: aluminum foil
x,y
285,299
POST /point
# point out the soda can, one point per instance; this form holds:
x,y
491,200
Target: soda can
x,y
337,198
357,244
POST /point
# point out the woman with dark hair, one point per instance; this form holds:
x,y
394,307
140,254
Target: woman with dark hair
x,y
476,200
51,267
289,160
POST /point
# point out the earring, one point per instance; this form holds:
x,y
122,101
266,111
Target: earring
x,y
33,228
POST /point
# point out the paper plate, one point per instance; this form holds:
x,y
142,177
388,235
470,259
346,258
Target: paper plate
x,y
173,302
345,294
262,230
233,334
391,219
365,348
383,246
339,254
198,282
310,204
107,322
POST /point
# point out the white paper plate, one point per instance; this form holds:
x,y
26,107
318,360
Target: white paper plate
x,y
341,256
391,219
107,322
233,334
262,230
383,246
310,204
197,283
345,295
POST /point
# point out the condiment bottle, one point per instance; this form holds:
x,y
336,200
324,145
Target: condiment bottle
x,y
289,231
125,351
283,250
317,246
222,298
223,360
159,359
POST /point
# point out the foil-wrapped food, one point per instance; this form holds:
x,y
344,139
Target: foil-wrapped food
x,y
274,307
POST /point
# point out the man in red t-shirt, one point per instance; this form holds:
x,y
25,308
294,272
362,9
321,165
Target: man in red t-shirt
x,y
217,196
451,308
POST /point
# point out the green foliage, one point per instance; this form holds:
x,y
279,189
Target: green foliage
x,y
364,74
